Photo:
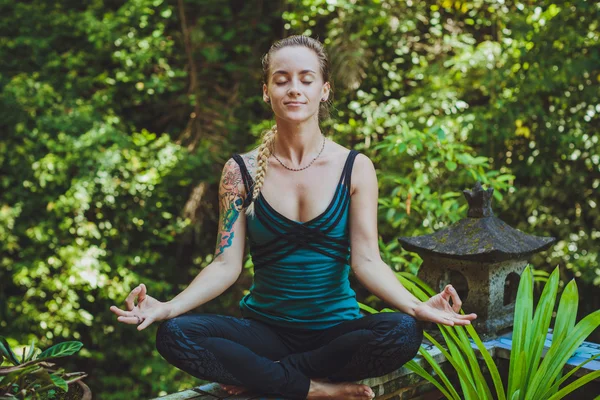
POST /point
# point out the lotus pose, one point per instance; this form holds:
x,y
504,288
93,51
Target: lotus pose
x,y
309,209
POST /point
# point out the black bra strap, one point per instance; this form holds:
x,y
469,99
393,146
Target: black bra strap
x,y
247,178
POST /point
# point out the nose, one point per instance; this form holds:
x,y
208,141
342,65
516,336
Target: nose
x,y
293,90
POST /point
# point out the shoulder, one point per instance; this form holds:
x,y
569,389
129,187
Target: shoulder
x,y
363,170
249,159
363,173
232,175
363,162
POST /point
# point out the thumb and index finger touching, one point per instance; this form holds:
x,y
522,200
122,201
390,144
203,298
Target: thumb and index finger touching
x,y
450,293
127,316
138,293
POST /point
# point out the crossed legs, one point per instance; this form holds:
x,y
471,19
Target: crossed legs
x,y
251,354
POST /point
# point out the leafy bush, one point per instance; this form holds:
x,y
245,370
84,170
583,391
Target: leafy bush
x,y
32,377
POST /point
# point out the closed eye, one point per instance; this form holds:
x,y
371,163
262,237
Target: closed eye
x,y
283,83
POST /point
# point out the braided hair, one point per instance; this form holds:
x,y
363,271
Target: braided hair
x,y
264,151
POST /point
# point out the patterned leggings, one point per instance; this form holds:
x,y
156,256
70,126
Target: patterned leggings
x,y
281,361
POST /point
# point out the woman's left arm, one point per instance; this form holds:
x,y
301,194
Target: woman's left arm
x,y
370,269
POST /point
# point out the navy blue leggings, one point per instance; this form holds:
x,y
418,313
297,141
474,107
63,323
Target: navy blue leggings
x,y
281,361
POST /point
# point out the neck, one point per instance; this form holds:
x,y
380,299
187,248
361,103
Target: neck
x,y
298,143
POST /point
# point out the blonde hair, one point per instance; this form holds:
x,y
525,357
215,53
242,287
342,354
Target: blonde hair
x,y
262,158
266,147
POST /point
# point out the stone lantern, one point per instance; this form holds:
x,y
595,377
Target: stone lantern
x,y
482,257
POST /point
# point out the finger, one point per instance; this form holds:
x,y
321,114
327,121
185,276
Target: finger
x,y
145,324
471,316
128,320
129,300
444,321
461,322
445,294
459,319
116,310
456,302
119,312
142,293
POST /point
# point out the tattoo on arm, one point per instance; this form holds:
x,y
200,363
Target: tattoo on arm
x,y
250,160
231,201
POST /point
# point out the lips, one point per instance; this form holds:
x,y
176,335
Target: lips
x,y
293,103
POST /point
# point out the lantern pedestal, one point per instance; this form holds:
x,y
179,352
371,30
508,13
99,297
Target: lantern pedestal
x,y
486,289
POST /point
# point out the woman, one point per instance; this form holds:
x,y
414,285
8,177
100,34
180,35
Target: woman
x,y
301,335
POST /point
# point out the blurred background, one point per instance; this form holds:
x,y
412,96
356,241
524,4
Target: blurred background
x,y
116,118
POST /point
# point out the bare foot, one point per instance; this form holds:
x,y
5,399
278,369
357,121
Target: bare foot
x,y
233,389
322,390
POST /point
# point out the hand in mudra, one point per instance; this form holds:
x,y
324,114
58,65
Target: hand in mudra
x,y
146,311
438,309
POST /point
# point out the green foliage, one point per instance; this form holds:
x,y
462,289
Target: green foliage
x,y
515,81
31,377
542,379
530,376
117,117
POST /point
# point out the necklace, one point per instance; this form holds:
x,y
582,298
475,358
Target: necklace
x,y
309,164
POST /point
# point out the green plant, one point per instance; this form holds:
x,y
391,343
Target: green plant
x,y
530,376
31,377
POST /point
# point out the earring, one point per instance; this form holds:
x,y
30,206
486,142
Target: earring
x,y
268,100
323,99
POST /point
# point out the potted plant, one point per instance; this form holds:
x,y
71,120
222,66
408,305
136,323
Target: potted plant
x,y
33,376
530,376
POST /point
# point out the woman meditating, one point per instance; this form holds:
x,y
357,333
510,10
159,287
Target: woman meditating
x,y
309,209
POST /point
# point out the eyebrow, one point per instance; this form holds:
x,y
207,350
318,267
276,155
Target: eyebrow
x,y
304,71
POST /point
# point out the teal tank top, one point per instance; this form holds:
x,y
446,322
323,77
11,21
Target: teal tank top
x,y
300,268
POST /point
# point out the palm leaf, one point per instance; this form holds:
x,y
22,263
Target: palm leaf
x,y
414,289
522,320
536,336
500,395
482,386
458,364
440,373
555,387
418,282
575,385
366,308
567,311
416,368
520,374
565,321
557,356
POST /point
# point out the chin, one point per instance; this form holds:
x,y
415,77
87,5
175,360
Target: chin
x,y
295,117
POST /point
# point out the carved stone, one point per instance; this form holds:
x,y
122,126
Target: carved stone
x,y
482,257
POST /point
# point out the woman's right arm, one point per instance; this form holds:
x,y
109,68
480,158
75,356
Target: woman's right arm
x,y
226,267
214,279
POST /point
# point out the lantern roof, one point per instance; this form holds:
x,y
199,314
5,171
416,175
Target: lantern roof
x,y
478,237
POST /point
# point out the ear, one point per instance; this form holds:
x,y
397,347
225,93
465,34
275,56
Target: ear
x,y
325,91
265,93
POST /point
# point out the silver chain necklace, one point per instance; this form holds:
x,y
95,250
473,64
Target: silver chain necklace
x,y
309,164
